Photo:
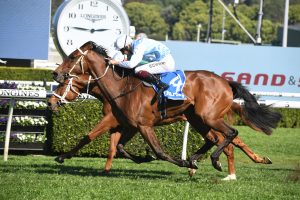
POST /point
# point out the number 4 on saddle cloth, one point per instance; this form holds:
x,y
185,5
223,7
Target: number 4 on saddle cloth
x,y
176,81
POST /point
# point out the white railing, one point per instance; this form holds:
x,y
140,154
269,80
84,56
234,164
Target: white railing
x,y
13,94
31,83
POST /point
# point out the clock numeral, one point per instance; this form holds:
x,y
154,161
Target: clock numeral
x,y
94,3
72,15
70,42
80,6
116,18
66,28
106,8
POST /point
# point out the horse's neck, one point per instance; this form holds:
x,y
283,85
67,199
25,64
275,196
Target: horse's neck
x,y
96,92
112,85
112,89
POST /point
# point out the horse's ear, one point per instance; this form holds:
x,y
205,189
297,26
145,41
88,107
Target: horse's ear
x,y
92,44
88,45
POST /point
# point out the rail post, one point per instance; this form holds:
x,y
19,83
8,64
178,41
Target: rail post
x,y
8,128
185,139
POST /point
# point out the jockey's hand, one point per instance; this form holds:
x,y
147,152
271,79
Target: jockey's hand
x,y
113,62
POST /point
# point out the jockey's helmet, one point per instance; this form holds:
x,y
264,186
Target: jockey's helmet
x,y
122,41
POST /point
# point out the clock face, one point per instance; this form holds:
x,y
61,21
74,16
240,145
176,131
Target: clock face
x,y
79,21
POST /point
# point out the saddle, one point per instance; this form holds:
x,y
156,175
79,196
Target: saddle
x,y
175,81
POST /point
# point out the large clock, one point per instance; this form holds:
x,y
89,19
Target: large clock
x,y
78,21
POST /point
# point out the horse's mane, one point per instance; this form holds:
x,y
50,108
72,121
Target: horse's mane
x,y
104,52
98,49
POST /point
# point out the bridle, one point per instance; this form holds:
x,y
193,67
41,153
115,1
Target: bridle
x,y
80,61
70,87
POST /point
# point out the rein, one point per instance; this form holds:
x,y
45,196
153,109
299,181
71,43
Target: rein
x,y
124,93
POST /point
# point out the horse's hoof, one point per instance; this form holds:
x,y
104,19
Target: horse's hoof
x,y
104,173
217,165
192,172
267,160
230,177
149,158
59,159
193,164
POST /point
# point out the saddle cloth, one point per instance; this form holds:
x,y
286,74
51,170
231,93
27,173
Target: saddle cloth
x,y
176,81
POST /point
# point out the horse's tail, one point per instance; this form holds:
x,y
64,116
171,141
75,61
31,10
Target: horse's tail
x,y
259,117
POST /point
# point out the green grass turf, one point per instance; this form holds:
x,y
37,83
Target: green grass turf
x,y
39,177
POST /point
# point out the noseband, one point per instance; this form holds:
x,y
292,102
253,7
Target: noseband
x,y
62,99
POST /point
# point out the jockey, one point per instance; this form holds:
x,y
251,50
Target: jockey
x,y
158,57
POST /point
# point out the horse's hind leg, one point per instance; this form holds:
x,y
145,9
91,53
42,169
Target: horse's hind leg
x,y
254,157
197,124
203,149
149,135
204,130
229,133
229,152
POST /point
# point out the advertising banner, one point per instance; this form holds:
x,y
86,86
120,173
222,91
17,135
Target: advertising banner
x,y
25,29
260,68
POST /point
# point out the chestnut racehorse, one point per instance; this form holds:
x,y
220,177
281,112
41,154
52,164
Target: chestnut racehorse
x,y
72,88
209,98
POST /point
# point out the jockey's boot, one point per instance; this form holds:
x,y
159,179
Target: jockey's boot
x,y
150,78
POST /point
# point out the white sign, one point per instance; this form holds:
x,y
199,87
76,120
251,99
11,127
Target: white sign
x,y
30,94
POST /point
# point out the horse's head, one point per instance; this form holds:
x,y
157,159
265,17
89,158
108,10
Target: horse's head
x,y
69,90
78,62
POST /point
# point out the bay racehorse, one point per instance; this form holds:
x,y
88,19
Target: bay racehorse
x,y
209,98
74,87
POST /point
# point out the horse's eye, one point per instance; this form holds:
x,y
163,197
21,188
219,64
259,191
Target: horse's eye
x,y
66,75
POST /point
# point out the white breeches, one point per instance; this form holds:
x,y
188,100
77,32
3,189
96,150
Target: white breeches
x,y
167,64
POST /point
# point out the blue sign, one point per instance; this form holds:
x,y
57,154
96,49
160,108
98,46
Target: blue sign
x,y
260,68
25,28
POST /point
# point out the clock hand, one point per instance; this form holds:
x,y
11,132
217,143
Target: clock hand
x,y
99,30
91,30
79,28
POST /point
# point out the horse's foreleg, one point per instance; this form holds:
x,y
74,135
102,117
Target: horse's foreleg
x,y
61,158
117,142
150,137
103,126
114,139
128,135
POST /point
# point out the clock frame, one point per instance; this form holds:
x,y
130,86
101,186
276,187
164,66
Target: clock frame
x,y
78,21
